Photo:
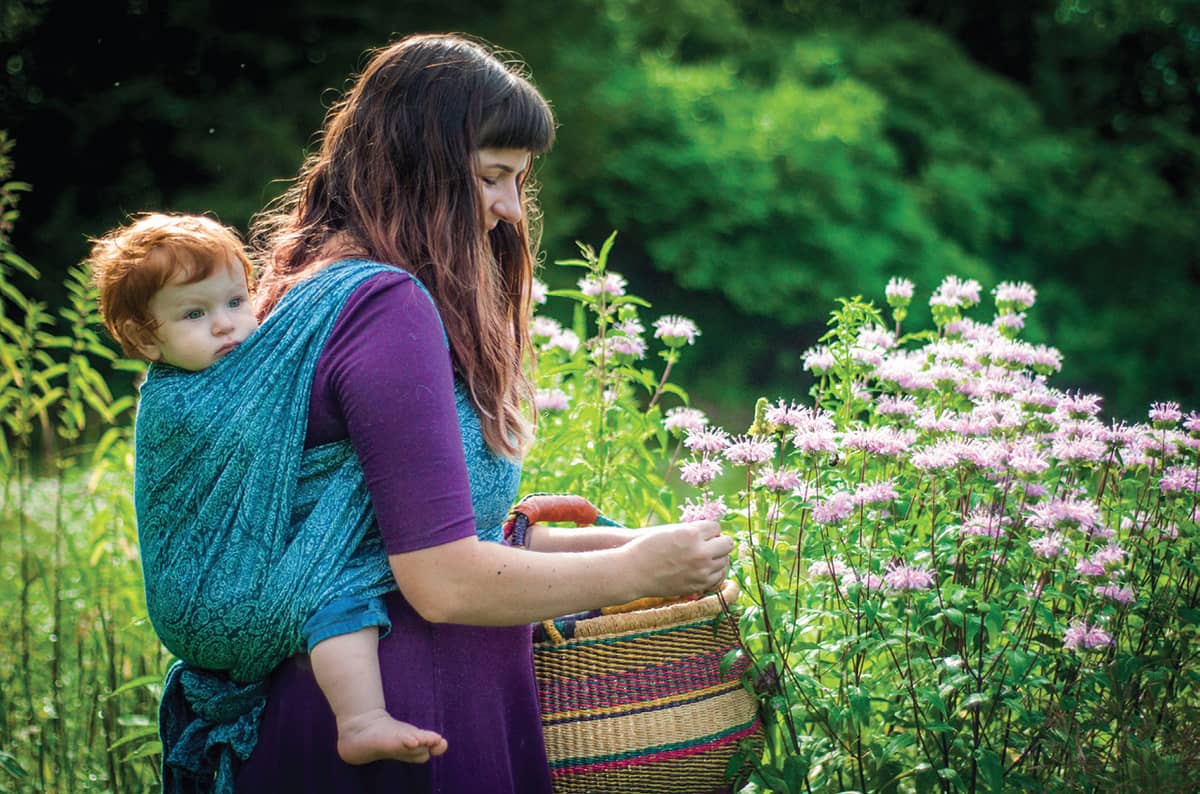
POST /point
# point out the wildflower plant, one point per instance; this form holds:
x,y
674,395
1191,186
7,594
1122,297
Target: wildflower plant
x,y
602,430
955,576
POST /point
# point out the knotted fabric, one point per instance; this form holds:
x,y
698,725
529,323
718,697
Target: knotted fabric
x,y
245,534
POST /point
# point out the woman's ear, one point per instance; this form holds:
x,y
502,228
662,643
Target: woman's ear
x,y
143,339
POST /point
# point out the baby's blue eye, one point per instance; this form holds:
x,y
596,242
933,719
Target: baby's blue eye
x,y
236,302
194,314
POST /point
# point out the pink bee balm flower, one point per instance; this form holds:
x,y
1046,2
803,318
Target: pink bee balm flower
x,y
707,509
946,376
1011,353
1178,479
1081,449
1116,593
1049,546
1010,323
785,414
1035,490
956,293
630,326
627,346
551,400
700,472
565,340
1080,406
870,356
685,419
870,582
818,360
873,493
538,291
544,327
907,577
1119,434
898,289
984,524
611,284
985,454
896,406
814,440
706,440
827,569
749,451
1089,567
779,480
811,419
1025,458
941,455
879,440
1165,412
875,336
1036,397
675,331
1047,358
1012,295
1110,555
837,507
1080,636
1065,512
1191,422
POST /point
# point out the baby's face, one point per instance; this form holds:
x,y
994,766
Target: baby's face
x,y
199,323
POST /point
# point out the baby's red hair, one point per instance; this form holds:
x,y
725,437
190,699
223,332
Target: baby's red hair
x,y
131,263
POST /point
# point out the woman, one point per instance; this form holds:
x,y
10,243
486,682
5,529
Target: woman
x,y
424,164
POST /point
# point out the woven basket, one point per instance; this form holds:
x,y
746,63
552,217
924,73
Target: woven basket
x,y
634,702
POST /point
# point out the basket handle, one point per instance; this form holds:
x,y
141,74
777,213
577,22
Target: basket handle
x,y
551,507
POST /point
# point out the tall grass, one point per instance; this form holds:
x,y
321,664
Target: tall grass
x,y
80,665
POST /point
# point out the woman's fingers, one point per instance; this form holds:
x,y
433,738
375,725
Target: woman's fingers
x,y
720,546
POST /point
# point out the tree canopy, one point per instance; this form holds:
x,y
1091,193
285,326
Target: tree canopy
x,y
759,159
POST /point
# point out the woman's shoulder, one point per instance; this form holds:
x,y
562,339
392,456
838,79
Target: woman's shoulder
x,y
393,300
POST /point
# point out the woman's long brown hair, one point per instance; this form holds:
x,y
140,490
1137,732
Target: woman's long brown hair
x,y
394,181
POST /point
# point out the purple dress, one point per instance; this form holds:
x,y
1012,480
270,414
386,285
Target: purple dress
x,y
385,380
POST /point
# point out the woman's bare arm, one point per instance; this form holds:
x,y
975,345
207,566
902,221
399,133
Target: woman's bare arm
x,y
540,537
470,581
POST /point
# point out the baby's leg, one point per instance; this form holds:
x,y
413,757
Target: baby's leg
x,y
347,669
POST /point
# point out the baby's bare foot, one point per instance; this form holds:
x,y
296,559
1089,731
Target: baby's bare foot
x,y
376,736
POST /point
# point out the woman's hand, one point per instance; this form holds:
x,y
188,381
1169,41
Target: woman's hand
x,y
680,559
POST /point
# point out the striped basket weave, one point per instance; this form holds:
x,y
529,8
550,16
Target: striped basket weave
x,y
633,698
636,703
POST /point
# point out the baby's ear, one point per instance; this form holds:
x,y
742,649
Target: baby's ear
x,y
143,339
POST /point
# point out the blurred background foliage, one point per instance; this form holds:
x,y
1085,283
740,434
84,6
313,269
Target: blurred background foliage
x,y
759,158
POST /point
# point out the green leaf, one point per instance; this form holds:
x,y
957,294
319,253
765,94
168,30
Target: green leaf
x,y
136,683
147,749
13,767
140,734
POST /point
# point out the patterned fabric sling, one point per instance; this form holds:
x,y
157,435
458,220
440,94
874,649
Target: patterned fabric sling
x,y
245,534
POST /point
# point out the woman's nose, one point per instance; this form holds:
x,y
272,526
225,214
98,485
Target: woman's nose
x,y
508,205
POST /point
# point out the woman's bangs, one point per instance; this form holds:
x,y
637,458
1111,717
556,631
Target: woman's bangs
x,y
519,120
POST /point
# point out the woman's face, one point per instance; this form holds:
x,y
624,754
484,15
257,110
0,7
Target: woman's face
x,y
500,173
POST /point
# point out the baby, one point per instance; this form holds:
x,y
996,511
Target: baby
x,y
175,289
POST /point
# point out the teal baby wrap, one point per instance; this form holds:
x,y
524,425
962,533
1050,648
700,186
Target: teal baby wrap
x,y
245,534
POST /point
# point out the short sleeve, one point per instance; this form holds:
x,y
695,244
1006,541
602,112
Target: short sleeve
x,y
385,380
